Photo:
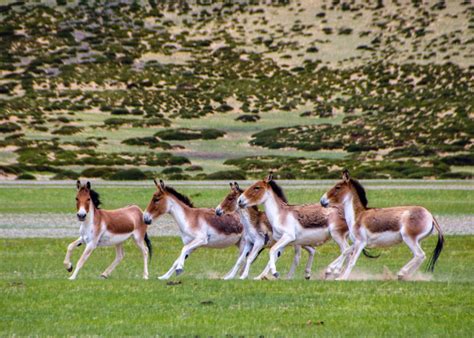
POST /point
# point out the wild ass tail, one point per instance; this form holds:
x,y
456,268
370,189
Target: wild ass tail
x,y
438,248
368,254
148,244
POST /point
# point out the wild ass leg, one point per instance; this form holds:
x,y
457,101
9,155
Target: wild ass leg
x,y
143,248
118,258
276,251
309,263
418,257
257,246
243,254
178,265
336,266
359,245
85,255
70,249
296,262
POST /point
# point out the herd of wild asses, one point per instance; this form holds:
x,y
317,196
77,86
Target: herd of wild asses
x,y
342,215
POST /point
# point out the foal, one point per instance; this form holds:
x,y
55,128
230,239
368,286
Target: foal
x,y
257,234
106,228
382,227
199,227
308,224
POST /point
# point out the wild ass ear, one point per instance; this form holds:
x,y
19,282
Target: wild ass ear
x,y
78,184
345,175
162,185
269,177
236,186
88,185
156,183
231,185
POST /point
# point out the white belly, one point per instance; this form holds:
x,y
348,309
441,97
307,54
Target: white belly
x,y
108,238
381,239
218,240
312,236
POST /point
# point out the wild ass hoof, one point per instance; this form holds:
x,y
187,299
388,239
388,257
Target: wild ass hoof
x,y
179,271
104,276
307,277
276,275
69,269
402,277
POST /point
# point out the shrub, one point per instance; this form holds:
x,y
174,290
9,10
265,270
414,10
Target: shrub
x,y
67,130
184,134
128,174
150,141
227,175
66,175
194,168
248,118
172,170
9,127
98,172
26,176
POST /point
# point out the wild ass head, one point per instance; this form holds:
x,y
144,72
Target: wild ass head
x,y
85,195
343,191
162,200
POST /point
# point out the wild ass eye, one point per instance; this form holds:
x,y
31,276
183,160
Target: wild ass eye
x,y
88,200
155,200
77,199
338,187
256,188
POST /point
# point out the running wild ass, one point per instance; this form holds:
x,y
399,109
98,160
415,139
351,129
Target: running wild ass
x,y
106,228
308,224
257,234
199,227
383,227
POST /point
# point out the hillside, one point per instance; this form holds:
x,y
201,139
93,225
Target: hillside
x,y
229,90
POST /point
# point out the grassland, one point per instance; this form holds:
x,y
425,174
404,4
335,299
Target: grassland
x,y
42,199
38,300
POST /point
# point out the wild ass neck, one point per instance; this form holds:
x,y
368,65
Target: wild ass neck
x,y
273,208
352,208
178,211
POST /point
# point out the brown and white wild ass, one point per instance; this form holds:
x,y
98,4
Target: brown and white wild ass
x,y
308,224
106,228
257,234
382,227
199,227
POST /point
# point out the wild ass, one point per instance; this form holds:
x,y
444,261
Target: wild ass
x,y
382,227
308,224
199,227
106,228
257,234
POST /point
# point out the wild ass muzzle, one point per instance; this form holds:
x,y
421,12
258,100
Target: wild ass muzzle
x,y
100,227
199,227
308,224
257,235
383,227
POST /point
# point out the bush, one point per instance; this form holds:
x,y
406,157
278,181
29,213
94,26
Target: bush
x,y
128,174
66,175
150,141
172,170
98,172
227,175
248,118
184,134
9,127
67,130
194,168
25,176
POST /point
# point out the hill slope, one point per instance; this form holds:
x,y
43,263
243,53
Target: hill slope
x,y
383,89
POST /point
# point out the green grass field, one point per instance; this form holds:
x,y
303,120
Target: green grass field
x,y
37,199
37,298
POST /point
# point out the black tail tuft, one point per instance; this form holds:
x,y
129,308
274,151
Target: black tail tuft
x,y
258,254
369,255
437,250
148,244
